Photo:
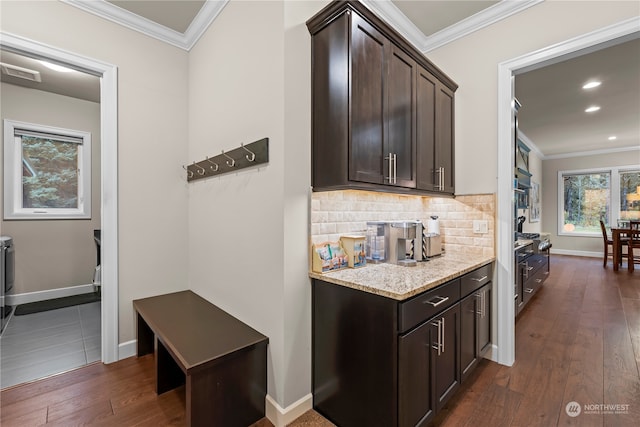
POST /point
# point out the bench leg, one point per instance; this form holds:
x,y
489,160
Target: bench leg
x,y
231,393
168,373
145,337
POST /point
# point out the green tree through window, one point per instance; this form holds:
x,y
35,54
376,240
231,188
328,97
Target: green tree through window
x,y
586,201
50,173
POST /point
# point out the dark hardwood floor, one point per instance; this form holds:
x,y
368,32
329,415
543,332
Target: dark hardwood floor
x,y
577,341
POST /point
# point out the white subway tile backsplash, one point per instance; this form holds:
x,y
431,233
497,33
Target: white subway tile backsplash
x,y
337,213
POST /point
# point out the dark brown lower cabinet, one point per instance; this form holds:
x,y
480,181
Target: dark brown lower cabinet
x,y
382,362
475,329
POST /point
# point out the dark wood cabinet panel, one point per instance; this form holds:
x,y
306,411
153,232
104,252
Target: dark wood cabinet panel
x,y
484,322
401,119
444,139
475,329
366,124
415,396
369,50
435,143
446,361
426,85
468,335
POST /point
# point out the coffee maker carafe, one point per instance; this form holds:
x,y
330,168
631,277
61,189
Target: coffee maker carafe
x,y
405,243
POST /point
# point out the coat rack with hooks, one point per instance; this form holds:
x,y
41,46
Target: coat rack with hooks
x,y
245,156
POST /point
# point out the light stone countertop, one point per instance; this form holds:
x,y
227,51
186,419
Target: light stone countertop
x,y
401,283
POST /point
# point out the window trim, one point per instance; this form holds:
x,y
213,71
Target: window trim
x,y
13,209
614,195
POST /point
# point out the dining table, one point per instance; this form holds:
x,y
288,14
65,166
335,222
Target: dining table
x,y
617,233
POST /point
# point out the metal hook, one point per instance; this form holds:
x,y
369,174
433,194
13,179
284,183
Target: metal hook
x,y
253,155
189,171
213,163
230,164
201,170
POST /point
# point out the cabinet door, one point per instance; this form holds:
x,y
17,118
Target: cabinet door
x,y
484,320
446,364
469,319
369,49
425,129
401,119
444,138
415,394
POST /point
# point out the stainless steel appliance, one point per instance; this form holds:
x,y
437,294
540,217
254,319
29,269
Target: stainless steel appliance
x,y
402,239
7,276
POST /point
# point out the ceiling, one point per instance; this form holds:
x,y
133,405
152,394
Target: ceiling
x,y
552,115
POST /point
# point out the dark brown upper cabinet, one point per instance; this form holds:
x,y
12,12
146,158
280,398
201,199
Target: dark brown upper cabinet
x,y
382,114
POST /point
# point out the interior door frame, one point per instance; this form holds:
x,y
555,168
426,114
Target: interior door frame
x,y
608,36
108,74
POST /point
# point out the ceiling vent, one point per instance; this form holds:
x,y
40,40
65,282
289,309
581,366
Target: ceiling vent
x,y
19,72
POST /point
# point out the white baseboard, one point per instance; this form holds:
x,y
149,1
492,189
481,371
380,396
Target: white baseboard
x,y
280,417
17,299
589,254
127,349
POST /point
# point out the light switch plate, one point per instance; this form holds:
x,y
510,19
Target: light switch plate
x,y
480,226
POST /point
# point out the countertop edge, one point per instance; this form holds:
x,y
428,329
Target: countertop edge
x,y
330,278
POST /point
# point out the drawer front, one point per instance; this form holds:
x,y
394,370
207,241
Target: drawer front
x,y
428,304
475,280
536,261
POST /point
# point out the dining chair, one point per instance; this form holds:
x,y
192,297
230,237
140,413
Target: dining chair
x,y
609,241
633,246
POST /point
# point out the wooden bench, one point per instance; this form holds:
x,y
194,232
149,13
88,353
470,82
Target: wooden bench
x,y
221,361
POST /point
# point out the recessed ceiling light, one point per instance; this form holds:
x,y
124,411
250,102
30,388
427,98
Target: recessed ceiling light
x,y
592,109
56,67
612,138
591,84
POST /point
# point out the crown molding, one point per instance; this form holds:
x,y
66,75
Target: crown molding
x,y
590,153
390,12
186,40
484,18
534,148
530,144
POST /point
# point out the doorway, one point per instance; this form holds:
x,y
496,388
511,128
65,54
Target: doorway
x,y
108,176
595,40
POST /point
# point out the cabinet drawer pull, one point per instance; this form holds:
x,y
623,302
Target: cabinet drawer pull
x,y
538,280
528,290
435,304
480,279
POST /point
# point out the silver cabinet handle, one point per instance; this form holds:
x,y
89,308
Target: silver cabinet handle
x,y
395,168
438,345
528,290
538,280
435,304
442,177
442,329
480,279
389,158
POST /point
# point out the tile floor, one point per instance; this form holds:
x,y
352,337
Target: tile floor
x,y
37,345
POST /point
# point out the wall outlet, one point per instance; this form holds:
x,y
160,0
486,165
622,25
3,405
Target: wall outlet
x,y
480,226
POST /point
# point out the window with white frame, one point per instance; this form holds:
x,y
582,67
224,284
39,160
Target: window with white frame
x,y
587,196
47,172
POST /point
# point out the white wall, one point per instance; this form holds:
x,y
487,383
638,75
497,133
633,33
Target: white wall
x,y
249,78
472,62
52,254
152,134
592,245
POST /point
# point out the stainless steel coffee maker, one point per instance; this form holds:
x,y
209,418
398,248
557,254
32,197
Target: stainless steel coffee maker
x,y
405,243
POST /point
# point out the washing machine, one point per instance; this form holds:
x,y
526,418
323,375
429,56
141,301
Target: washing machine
x,y
7,276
